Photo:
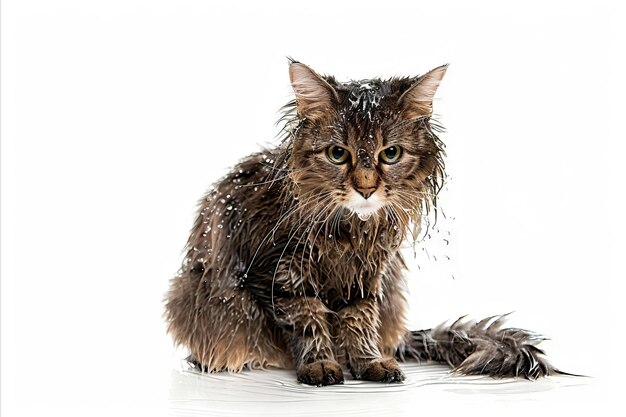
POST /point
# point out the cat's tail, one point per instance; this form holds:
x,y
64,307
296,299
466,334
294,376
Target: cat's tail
x,y
477,348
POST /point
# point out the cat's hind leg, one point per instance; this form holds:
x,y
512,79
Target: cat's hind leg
x,y
228,332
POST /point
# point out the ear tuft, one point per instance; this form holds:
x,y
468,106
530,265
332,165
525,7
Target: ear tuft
x,y
417,101
314,96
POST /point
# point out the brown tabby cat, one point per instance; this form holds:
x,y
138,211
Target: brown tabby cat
x,y
293,260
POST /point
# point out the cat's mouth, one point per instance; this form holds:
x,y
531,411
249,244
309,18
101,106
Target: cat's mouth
x,y
364,208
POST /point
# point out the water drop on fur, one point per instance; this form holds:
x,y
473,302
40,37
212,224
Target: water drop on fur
x,y
364,216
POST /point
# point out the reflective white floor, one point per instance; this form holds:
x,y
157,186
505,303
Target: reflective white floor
x,y
428,388
163,390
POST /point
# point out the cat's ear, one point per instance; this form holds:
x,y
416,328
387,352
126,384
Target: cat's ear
x,y
314,96
417,101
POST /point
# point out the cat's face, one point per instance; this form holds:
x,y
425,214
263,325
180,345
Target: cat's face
x,y
366,146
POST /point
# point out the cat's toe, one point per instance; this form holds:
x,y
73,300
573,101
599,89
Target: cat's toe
x,y
324,372
383,371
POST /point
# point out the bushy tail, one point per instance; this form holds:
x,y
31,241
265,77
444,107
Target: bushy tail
x,y
480,348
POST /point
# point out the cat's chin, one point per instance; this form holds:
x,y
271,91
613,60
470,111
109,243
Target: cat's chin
x,y
363,208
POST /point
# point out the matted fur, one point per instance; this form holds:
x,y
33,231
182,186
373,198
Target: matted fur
x,y
293,260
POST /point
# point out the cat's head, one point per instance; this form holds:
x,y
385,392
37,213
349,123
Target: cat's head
x,y
367,146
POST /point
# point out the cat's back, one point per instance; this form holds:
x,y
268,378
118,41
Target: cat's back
x,y
236,214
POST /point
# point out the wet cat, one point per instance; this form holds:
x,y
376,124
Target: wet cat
x,y
294,260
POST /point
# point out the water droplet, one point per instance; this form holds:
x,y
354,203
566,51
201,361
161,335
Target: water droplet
x,y
364,216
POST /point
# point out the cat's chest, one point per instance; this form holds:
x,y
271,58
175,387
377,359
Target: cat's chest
x,y
351,264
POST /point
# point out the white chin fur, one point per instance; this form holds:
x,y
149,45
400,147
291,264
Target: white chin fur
x,y
362,207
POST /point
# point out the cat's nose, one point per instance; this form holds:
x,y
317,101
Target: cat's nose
x,y
366,192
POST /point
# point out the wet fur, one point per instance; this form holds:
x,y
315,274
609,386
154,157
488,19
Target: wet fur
x,y
279,273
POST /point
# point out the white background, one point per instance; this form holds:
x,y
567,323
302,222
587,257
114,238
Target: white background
x,y
117,116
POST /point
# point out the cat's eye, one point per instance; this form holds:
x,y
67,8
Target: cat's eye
x,y
391,155
337,154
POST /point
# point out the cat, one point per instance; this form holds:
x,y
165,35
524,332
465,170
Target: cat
x,y
294,261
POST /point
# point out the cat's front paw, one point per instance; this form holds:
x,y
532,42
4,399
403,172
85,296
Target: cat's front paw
x,y
386,370
324,372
